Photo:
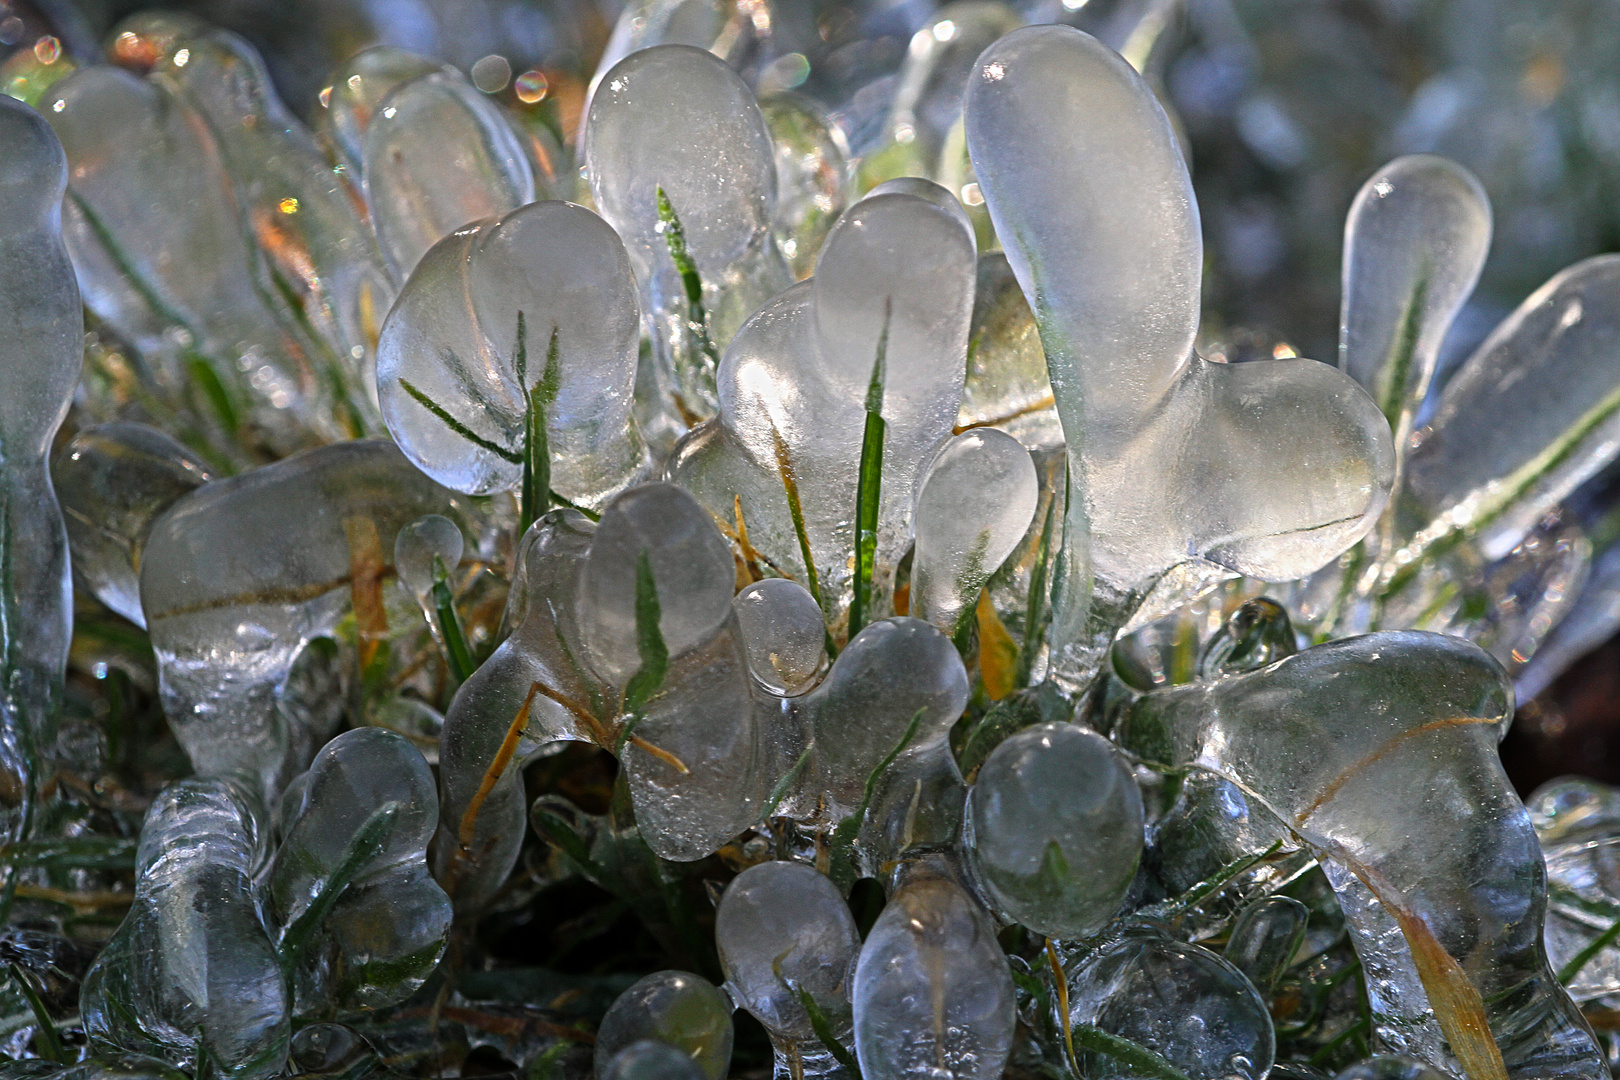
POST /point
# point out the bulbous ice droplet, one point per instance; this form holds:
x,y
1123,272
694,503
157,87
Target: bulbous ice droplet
x,y
1381,752
675,119
425,551
1390,1067
977,501
41,351
114,480
368,810
1548,367
1414,243
1265,938
357,91
240,574
1057,829
663,528
1104,238
534,311
1180,1001
812,176
327,1048
933,997
782,928
650,1059
191,971
439,154
782,630
678,1008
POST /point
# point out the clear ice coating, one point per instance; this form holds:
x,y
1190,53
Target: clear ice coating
x,y
784,932
424,552
114,480
885,320
165,257
1182,1002
511,329
1103,235
1007,385
695,211
1056,829
241,574
439,154
1265,938
41,349
1549,366
1578,824
932,993
975,504
783,632
191,971
348,898
812,176
357,92
1380,752
321,260
650,1059
1414,243
683,1010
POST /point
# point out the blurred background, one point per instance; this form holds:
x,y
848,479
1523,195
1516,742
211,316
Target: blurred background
x,y
1285,108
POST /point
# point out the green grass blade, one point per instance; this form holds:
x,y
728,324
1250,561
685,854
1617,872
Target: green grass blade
x,y
534,497
824,1033
869,484
1035,620
457,652
697,315
457,426
1139,1059
1567,973
649,644
779,792
842,870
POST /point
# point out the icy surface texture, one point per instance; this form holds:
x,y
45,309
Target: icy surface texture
x,y
351,907
41,347
1578,823
682,165
884,324
357,92
812,177
439,154
1103,235
782,630
650,1059
785,935
704,742
1056,829
241,279
114,480
676,1007
317,255
241,574
1444,890
1182,1002
974,505
932,994
192,971
529,321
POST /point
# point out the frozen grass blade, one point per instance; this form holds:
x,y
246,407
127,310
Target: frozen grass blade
x,y
869,485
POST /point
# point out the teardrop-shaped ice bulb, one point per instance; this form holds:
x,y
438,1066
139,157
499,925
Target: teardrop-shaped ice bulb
x,y
424,551
933,997
783,632
1414,243
975,505
1057,829
439,154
